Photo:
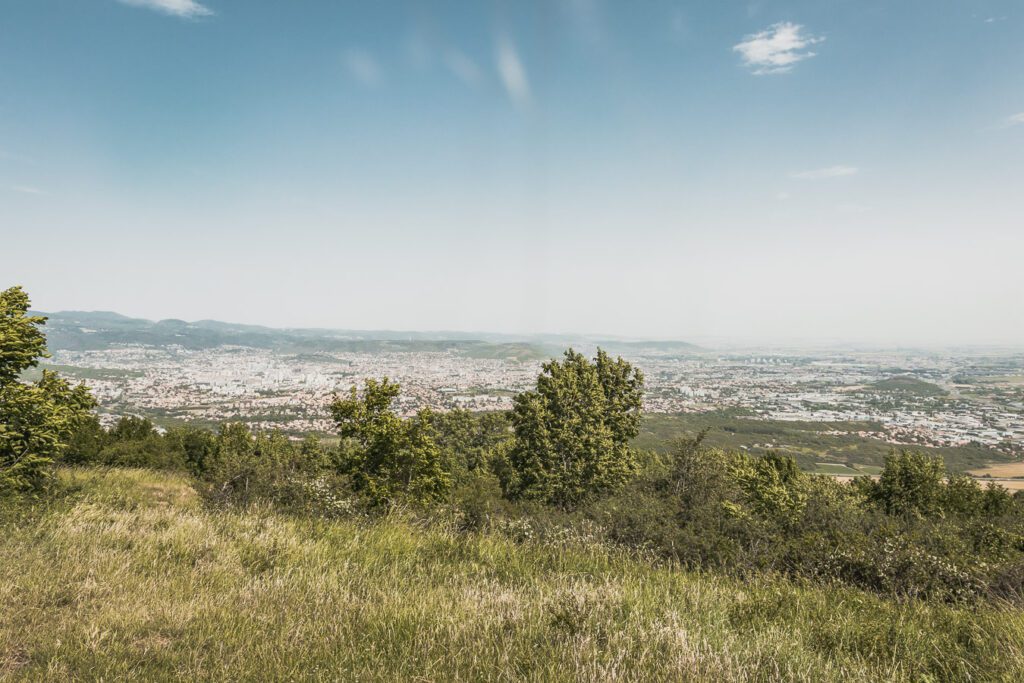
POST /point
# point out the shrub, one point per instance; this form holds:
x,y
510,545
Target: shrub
x,y
572,432
37,420
386,457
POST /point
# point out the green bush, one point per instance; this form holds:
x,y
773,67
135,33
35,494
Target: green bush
x,y
389,459
572,432
37,419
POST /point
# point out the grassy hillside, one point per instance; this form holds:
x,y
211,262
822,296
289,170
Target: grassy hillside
x,y
128,577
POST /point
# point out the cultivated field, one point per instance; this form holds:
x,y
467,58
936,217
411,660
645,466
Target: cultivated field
x,y
128,577
1000,470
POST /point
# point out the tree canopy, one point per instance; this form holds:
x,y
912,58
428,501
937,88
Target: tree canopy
x,y
388,457
573,431
37,419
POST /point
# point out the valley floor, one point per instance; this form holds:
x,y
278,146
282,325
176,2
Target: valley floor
x,y
128,576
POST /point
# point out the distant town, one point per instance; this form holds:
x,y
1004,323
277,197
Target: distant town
x,y
940,399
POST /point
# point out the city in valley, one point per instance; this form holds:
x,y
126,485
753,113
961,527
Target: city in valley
x,y
961,398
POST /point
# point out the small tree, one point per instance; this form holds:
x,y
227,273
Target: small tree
x,y
37,419
773,486
572,433
469,439
911,483
388,457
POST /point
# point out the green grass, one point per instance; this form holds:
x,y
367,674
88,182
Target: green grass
x,y
130,578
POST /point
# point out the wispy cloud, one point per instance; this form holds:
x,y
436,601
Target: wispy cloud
x,y
464,68
829,172
187,9
1015,120
776,49
363,67
512,73
26,189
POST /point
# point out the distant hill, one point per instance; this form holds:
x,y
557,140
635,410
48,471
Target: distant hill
x,y
96,330
661,348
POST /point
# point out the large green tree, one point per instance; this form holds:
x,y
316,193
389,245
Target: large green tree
x,y
388,457
37,419
572,432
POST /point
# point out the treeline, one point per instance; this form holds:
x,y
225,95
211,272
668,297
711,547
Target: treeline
x,y
558,465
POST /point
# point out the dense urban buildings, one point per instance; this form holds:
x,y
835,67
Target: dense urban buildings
x,y
939,398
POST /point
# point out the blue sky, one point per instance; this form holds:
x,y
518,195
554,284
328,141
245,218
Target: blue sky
x,y
825,170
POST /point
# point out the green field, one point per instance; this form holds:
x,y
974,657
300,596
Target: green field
x,y
807,442
128,577
909,386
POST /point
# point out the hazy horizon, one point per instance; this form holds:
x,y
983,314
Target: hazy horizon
x,y
668,170
706,342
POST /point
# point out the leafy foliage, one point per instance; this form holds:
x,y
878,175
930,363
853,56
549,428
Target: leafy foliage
x,y
911,483
573,431
387,457
38,419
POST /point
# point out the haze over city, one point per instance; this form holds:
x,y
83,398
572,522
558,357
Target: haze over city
x,y
820,171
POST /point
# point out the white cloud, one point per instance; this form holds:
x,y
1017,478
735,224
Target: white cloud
x,y
1015,120
364,68
464,68
512,73
26,189
776,49
829,172
188,9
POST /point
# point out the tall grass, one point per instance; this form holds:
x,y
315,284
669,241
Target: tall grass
x,y
131,578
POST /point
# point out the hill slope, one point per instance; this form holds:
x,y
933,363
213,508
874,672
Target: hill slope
x,y
130,578
97,330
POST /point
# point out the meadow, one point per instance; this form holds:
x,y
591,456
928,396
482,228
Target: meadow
x,y
124,574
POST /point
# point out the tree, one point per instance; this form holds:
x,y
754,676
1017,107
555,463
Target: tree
x,y
198,447
385,456
470,440
86,442
37,419
572,432
773,486
911,483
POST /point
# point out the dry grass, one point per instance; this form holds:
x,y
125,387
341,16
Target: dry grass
x,y
133,579
1000,469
